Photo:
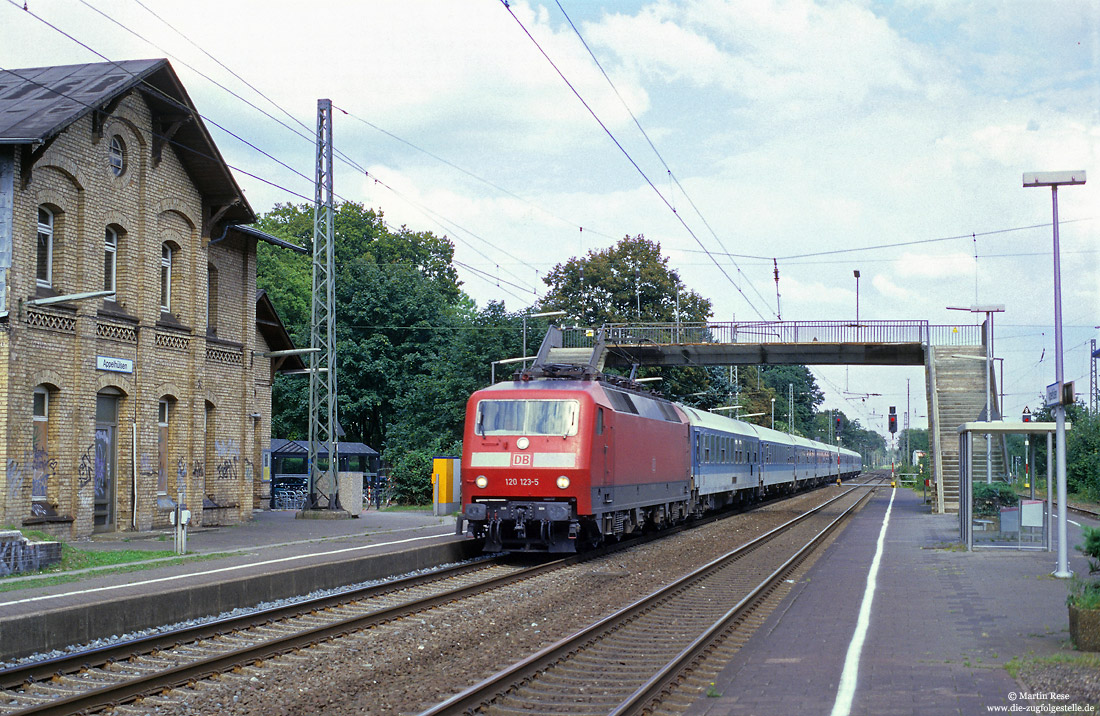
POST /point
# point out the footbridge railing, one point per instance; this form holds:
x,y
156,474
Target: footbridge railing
x,y
778,332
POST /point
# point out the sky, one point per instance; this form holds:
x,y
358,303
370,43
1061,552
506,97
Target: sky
x,y
822,137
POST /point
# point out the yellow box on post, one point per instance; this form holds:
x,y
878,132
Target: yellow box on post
x,y
446,485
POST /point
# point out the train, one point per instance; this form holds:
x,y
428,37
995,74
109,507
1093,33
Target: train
x,y
561,464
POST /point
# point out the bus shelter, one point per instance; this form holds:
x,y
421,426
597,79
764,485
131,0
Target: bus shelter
x,y
1003,518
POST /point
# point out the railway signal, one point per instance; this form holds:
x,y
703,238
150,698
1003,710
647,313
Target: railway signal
x,y
893,422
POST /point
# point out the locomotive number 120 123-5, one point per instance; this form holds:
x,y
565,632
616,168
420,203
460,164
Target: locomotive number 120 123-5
x,y
522,481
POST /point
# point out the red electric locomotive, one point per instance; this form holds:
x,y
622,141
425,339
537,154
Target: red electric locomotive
x,y
548,462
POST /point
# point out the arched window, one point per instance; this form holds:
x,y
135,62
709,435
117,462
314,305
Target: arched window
x,y
110,259
44,269
163,414
212,300
40,445
116,156
166,277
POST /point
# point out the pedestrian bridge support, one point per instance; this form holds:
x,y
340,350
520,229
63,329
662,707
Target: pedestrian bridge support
x,y
955,382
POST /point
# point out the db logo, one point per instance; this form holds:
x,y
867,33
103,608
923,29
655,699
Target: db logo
x,y
521,459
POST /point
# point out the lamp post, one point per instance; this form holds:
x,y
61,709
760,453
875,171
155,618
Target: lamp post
x,y
773,413
856,274
1054,180
535,315
988,310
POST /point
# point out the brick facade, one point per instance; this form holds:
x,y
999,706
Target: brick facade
x,y
103,465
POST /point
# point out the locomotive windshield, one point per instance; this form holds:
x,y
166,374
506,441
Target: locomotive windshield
x,y
527,417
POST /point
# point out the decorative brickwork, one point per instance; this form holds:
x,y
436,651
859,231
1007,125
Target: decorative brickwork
x,y
173,341
51,321
115,332
221,355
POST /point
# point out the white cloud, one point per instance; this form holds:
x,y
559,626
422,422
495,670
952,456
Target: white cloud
x,y
928,266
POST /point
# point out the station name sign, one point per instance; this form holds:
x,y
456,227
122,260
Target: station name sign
x,y
115,365
1060,394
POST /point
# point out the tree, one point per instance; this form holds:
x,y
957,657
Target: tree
x,y
411,346
917,438
807,395
628,282
395,291
1082,450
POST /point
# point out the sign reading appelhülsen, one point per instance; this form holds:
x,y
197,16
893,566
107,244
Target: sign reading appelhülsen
x,y
1053,396
116,365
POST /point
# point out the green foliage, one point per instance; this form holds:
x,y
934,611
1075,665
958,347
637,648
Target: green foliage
x,y
395,294
918,440
1082,451
989,498
853,436
807,395
411,477
631,282
628,282
1085,594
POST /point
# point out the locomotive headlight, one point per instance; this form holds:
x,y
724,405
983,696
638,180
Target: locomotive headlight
x,y
563,481
481,481
522,443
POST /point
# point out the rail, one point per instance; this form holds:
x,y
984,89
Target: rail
x,y
550,675
777,332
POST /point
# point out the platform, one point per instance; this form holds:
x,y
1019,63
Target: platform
x,y
942,624
273,556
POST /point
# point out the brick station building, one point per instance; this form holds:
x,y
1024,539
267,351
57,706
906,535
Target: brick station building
x,y
113,405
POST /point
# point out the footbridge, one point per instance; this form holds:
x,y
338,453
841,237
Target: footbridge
x,y
952,356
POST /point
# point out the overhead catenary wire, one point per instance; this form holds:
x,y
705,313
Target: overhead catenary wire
x,y
629,158
474,176
959,237
214,123
668,170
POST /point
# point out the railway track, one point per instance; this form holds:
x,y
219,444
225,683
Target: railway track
x,y
90,680
625,662
124,673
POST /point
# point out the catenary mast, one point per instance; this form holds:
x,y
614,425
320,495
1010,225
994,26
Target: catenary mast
x,y
322,329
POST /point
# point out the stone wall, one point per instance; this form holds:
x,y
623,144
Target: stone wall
x,y
18,554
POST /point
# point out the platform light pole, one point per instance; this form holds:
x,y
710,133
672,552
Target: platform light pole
x,y
1055,180
856,274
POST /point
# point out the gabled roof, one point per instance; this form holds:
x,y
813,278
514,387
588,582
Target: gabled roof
x,y
38,103
275,334
293,448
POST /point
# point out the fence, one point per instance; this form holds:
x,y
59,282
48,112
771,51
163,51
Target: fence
x,y
777,332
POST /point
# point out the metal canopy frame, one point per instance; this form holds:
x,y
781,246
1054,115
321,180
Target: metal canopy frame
x,y
966,433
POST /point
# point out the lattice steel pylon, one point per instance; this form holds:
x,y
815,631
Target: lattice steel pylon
x,y
322,328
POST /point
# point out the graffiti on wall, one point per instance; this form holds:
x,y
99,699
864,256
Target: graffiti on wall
x,y
36,465
146,467
229,457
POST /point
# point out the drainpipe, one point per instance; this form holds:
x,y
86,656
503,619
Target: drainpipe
x,y
134,475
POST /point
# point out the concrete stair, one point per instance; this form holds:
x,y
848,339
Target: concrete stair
x,y
960,389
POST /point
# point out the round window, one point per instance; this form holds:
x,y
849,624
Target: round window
x,y
116,154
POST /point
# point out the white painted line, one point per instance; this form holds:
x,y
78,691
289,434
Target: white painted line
x,y
846,691
1072,522
192,575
